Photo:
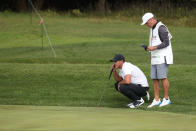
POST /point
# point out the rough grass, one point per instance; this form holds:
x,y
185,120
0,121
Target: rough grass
x,y
30,75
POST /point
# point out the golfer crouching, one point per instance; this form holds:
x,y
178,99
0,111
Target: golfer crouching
x,y
131,81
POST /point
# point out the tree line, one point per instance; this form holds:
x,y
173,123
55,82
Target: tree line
x,y
93,5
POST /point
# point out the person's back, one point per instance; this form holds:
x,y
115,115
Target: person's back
x,y
137,76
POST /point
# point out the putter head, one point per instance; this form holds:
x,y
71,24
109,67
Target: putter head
x,y
144,46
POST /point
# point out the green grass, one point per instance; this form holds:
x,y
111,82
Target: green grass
x,y
30,75
47,118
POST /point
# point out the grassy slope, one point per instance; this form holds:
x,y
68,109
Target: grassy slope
x,y
91,119
31,75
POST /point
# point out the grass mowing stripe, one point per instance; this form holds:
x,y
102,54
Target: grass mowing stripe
x,y
82,85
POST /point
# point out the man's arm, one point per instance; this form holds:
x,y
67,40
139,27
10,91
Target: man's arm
x,y
116,76
126,80
163,34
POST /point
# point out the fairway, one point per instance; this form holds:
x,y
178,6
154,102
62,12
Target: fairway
x,y
53,118
40,92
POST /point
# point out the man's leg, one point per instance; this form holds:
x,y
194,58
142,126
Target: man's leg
x,y
162,74
166,100
116,85
165,83
156,101
133,92
156,85
128,91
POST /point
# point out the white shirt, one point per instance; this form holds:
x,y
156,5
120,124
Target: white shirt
x,y
137,76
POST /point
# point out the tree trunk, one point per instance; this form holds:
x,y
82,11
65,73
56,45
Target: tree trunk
x,y
101,6
19,5
39,4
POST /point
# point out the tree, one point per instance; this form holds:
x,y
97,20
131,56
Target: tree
x,y
38,4
22,5
19,5
101,6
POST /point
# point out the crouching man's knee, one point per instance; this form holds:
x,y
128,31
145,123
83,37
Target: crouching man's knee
x,y
116,86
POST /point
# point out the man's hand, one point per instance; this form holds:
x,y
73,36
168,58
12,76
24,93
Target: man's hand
x,y
151,48
116,76
113,67
144,46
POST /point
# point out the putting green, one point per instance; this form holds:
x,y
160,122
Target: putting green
x,y
56,118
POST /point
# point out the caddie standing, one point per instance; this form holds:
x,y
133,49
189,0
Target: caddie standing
x,y
161,57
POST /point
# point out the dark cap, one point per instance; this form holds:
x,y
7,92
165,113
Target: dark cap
x,y
118,57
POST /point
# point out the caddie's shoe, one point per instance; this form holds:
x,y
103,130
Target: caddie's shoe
x,y
137,103
165,102
154,103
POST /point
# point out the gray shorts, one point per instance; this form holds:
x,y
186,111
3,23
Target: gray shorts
x,y
159,71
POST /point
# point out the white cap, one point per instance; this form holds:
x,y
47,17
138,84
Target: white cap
x,y
146,17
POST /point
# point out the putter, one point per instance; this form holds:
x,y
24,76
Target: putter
x,y
100,99
110,74
144,46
